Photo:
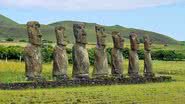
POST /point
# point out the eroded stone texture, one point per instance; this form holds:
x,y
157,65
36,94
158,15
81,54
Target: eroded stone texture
x,y
60,61
79,53
133,70
33,59
148,71
116,55
101,62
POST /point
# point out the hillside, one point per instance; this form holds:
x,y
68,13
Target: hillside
x,y
156,37
9,28
4,21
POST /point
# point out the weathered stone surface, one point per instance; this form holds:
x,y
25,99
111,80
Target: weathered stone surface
x,y
100,62
79,53
148,71
133,70
60,61
33,59
116,55
134,43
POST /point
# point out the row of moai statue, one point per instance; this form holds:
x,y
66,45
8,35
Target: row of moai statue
x,y
80,57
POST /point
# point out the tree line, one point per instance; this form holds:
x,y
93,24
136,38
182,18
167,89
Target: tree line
x,y
17,53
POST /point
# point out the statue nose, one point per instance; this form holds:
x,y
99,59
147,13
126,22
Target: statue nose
x,y
104,35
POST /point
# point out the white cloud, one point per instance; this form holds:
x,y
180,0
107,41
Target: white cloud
x,y
72,5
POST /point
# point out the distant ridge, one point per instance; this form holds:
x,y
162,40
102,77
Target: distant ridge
x,y
6,21
9,28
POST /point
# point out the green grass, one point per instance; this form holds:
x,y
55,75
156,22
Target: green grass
x,y
13,71
158,93
150,93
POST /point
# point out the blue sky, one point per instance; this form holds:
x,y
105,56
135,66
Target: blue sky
x,y
162,16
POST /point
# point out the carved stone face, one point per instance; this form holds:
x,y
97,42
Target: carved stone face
x,y
134,41
34,34
79,33
117,40
100,35
61,37
147,43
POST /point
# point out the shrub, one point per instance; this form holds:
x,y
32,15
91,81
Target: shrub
x,y
22,40
9,39
47,41
125,52
47,53
91,55
141,54
16,52
167,55
141,40
3,52
11,52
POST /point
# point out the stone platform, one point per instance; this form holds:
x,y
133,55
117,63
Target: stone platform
x,y
82,82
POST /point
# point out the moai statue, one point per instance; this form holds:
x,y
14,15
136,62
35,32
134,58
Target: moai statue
x,y
116,55
33,59
148,72
60,61
133,70
100,63
79,53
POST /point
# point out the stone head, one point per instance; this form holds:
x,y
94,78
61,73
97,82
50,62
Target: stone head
x,y
79,33
60,35
147,43
117,40
100,35
134,41
34,34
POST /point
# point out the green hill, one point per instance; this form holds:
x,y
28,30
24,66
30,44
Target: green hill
x,y
4,21
156,37
10,29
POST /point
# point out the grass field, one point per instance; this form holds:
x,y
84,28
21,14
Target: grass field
x,y
151,93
